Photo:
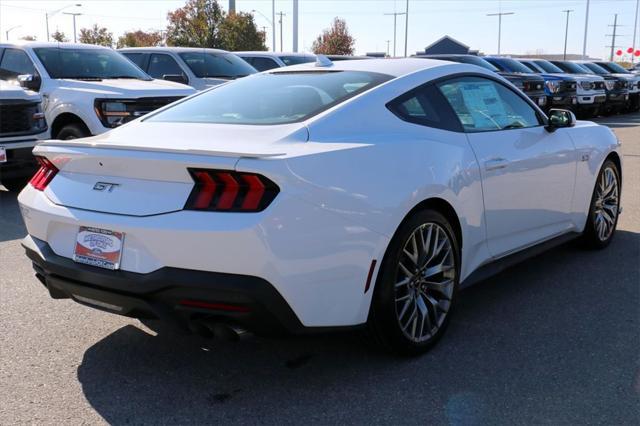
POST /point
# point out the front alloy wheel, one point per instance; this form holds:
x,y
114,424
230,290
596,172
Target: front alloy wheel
x,y
605,207
416,285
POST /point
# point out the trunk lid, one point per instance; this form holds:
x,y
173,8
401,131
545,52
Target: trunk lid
x,y
142,169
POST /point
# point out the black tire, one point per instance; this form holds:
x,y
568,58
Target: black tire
x,y
15,185
384,323
73,131
591,237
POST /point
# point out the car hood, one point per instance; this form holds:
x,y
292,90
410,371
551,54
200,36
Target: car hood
x,y
14,92
128,88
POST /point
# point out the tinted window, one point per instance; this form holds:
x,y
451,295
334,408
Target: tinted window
x,y
161,65
533,66
474,60
509,65
263,64
216,65
87,64
485,105
572,67
14,63
548,66
595,68
136,58
272,98
613,67
295,60
425,106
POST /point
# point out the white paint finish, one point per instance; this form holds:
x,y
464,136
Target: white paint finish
x,y
348,177
528,181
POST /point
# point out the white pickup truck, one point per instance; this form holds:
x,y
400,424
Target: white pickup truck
x,y
22,124
86,89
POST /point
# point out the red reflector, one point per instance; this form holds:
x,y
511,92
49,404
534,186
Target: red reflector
x,y
214,306
370,276
207,191
230,191
44,175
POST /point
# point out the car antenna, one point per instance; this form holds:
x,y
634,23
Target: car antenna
x,y
323,61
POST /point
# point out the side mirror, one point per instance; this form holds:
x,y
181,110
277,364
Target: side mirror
x,y
176,78
559,118
30,81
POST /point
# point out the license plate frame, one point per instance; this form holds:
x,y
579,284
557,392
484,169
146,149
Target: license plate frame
x,y
3,154
98,247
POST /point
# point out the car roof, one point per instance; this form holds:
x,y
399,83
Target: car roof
x,y
394,67
60,45
274,54
171,49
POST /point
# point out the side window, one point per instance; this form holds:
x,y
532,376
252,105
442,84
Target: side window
x,y
425,106
263,64
15,62
161,65
136,58
484,105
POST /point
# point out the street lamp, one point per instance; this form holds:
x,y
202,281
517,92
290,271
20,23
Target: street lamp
x,y
74,23
500,15
47,14
270,23
12,28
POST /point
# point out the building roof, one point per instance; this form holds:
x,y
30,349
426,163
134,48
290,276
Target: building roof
x,y
446,37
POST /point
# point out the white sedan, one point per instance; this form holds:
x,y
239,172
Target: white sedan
x,y
318,197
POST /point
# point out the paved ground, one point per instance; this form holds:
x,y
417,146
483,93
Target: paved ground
x,y
552,341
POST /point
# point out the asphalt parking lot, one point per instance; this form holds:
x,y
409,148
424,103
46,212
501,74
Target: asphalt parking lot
x,y
554,340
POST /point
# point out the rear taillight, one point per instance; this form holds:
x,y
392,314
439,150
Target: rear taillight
x,y
44,175
224,190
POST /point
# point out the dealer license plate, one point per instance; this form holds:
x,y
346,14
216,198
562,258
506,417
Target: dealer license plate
x,y
3,154
98,247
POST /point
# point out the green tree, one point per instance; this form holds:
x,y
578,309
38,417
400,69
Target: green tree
x,y
59,36
140,39
335,40
28,38
238,31
196,24
96,35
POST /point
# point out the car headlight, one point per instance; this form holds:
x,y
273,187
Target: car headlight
x,y
609,84
552,85
112,113
586,85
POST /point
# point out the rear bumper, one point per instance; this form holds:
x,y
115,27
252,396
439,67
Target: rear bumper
x,y
180,296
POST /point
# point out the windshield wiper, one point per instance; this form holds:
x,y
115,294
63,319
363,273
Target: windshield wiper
x,y
514,125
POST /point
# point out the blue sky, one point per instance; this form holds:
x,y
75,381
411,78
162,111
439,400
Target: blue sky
x,y
538,25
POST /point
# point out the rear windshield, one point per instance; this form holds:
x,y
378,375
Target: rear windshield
x,y
272,98
87,64
474,60
216,65
296,59
548,66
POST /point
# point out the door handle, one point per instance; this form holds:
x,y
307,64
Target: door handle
x,y
495,164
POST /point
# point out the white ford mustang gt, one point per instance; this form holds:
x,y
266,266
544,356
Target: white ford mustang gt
x,y
320,196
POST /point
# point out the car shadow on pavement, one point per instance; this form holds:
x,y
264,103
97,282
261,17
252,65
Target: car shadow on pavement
x,y
11,222
552,340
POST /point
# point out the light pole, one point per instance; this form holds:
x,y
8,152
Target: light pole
x,y
281,14
270,23
500,15
10,29
388,41
74,23
406,28
395,18
273,20
586,26
635,29
566,34
48,14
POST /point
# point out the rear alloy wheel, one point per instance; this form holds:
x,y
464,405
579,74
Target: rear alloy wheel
x,y
416,285
605,207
